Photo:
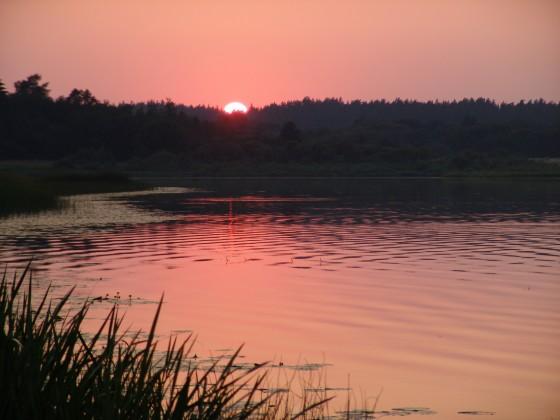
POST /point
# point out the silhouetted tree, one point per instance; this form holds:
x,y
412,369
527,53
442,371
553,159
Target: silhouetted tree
x,y
3,91
290,132
81,98
469,121
31,87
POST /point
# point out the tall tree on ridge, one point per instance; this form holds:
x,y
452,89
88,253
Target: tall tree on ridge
x,y
31,87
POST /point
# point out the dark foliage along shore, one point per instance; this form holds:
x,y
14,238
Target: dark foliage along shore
x,y
25,193
406,137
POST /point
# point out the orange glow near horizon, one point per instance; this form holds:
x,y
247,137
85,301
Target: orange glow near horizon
x,y
200,52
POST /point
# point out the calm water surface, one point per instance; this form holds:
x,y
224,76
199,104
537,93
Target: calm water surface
x,y
443,294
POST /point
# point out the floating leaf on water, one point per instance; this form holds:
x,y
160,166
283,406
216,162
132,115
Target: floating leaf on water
x,y
476,413
270,390
406,411
181,331
326,389
305,366
355,414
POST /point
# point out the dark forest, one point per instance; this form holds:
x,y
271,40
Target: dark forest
x,y
385,136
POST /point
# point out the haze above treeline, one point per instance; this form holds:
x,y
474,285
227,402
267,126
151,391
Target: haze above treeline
x,y
259,52
404,133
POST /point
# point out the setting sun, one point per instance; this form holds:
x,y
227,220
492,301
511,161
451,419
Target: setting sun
x,y
235,107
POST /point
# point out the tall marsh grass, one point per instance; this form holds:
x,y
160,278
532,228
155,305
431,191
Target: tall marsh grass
x,y
51,369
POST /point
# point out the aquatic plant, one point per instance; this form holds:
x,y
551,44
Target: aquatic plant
x,y
50,368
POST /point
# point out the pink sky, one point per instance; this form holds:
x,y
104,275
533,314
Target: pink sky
x,y
212,51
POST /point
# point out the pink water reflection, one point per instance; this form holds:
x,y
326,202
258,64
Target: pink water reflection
x,y
452,316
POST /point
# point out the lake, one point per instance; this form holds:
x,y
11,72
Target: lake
x,y
443,295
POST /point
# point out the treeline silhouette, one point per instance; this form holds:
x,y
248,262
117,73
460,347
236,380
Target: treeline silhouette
x,y
462,134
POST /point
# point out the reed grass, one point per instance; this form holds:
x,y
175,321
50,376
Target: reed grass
x,y
51,369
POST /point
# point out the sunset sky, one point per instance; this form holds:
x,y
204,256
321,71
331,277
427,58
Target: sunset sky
x,y
257,51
